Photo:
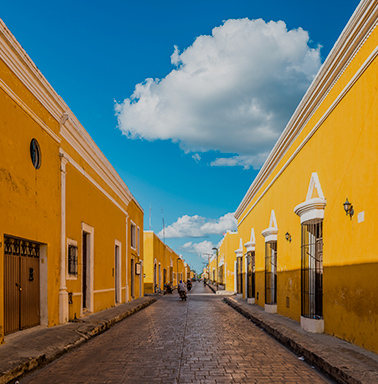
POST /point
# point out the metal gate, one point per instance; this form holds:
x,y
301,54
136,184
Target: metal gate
x,y
21,284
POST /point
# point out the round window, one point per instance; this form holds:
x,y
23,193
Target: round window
x,y
35,153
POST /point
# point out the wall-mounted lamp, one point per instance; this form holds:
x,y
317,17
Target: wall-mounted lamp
x,y
288,237
348,208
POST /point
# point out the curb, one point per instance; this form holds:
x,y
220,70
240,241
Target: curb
x,y
309,356
42,360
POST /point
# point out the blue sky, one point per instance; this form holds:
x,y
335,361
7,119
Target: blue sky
x,y
195,135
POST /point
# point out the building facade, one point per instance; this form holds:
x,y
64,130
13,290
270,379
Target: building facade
x,y
162,264
312,206
70,228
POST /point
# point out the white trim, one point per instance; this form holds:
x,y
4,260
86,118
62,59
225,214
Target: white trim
x,y
312,325
132,224
104,290
85,228
138,240
354,35
15,57
43,285
251,244
29,112
90,178
312,210
270,308
239,252
118,272
270,233
63,294
127,257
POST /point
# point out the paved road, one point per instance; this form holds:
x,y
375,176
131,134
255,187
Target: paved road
x,y
201,340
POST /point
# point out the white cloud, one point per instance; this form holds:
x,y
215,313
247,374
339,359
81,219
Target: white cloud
x,y
244,161
198,226
232,91
204,247
196,157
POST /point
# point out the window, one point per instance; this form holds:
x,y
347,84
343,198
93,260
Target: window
x,y
251,274
271,272
133,236
138,240
72,260
312,271
35,153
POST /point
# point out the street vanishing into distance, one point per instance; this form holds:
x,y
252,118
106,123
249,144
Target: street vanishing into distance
x,y
201,340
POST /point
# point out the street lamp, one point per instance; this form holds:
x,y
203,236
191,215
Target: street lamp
x,y
216,252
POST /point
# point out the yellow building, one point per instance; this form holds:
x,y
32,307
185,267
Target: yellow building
x,y
162,264
314,254
227,261
70,228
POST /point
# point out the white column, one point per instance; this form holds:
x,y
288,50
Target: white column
x,y
63,294
127,258
235,276
245,276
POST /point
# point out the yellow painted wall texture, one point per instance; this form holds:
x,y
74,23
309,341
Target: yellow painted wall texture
x,y
159,257
94,195
343,152
227,249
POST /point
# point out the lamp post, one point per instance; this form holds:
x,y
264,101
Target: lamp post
x,y
216,252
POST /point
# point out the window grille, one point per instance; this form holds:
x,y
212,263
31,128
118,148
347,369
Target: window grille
x,y
312,271
133,236
221,274
271,272
72,260
251,274
240,274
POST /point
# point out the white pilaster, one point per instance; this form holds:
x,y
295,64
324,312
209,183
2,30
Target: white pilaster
x,y
63,294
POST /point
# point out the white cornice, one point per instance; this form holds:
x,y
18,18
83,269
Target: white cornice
x,y
358,29
15,57
311,210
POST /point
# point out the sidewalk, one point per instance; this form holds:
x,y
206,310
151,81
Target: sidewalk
x,y
32,348
338,359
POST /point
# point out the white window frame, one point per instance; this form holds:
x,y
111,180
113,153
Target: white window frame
x,y
133,235
138,240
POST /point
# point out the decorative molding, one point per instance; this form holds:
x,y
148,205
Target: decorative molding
x,y
312,210
29,112
270,233
90,178
15,57
358,29
239,252
250,245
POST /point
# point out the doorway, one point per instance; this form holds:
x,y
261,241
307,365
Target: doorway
x,y
21,284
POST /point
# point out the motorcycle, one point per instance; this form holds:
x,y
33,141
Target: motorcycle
x,y
168,289
182,295
189,285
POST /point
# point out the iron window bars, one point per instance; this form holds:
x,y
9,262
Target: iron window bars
x,y
312,271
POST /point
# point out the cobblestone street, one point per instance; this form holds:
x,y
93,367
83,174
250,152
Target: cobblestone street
x,y
201,340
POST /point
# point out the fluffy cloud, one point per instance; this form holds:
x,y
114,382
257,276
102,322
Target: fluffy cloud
x,y
244,161
232,91
198,226
202,249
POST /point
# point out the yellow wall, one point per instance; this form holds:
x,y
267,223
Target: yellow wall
x,y
31,201
156,252
30,198
343,153
229,244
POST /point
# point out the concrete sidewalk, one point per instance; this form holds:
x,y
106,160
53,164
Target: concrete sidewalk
x,y
33,348
341,361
